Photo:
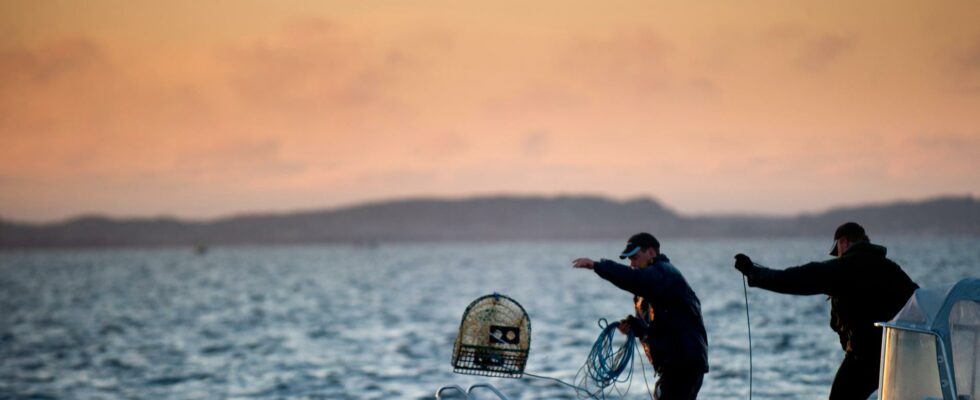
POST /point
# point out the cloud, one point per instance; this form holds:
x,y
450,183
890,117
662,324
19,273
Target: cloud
x,y
50,62
54,97
820,52
38,84
630,61
74,109
240,159
535,100
965,71
948,141
324,87
808,50
315,66
443,146
329,108
944,153
969,58
535,143
311,65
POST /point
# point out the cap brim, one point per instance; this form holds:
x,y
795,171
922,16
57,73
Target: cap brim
x,y
629,253
833,249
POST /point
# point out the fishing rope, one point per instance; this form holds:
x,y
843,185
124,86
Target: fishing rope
x,y
580,389
643,370
605,365
748,324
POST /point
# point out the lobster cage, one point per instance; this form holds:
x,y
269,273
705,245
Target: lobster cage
x,y
494,338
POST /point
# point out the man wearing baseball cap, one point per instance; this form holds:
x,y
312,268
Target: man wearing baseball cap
x,y
864,288
668,318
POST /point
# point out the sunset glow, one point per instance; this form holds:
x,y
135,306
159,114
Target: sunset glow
x,y
201,111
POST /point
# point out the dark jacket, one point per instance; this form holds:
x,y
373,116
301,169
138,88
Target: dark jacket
x,y
864,288
668,312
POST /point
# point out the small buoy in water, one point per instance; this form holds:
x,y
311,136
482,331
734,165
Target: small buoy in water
x,y
200,249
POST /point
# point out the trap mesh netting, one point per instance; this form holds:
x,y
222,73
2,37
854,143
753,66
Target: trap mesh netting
x,y
494,338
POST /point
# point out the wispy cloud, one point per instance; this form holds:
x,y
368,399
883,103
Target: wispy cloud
x,y
820,52
305,109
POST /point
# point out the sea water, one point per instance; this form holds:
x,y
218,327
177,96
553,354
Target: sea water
x,y
378,322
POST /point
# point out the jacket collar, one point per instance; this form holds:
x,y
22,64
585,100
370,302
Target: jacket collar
x,y
867,248
660,258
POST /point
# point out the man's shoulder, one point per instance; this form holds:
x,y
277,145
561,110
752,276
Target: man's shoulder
x,y
867,249
669,273
666,267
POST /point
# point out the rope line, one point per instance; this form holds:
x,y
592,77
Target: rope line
x,y
748,324
580,389
643,369
605,366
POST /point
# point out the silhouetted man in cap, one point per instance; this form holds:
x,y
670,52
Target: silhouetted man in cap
x,y
668,315
864,288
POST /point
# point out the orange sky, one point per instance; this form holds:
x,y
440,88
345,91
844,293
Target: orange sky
x,y
197,111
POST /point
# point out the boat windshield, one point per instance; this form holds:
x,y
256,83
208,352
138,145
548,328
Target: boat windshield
x,y
909,369
964,327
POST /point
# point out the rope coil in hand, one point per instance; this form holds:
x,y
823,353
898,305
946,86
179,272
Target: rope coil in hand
x,y
605,364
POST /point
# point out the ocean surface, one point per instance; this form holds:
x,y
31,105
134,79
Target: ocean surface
x,y
378,322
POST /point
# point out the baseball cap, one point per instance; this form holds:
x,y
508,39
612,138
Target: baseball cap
x,y
639,242
846,229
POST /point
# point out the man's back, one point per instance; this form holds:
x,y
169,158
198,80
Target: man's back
x,y
871,289
864,287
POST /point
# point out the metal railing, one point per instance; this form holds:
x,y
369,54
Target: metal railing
x,y
467,394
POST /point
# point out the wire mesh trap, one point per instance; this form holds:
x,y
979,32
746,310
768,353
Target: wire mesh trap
x,y
494,338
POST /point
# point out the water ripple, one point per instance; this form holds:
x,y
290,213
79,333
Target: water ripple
x,y
341,322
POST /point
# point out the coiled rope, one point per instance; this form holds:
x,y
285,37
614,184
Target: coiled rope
x,y
605,366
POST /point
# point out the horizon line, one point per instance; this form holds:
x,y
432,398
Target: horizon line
x,y
463,198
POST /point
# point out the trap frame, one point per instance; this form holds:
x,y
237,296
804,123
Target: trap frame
x,y
494,338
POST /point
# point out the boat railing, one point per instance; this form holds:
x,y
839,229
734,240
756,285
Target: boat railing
x,y
467,394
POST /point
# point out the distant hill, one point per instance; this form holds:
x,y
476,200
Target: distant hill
x,y
489,219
